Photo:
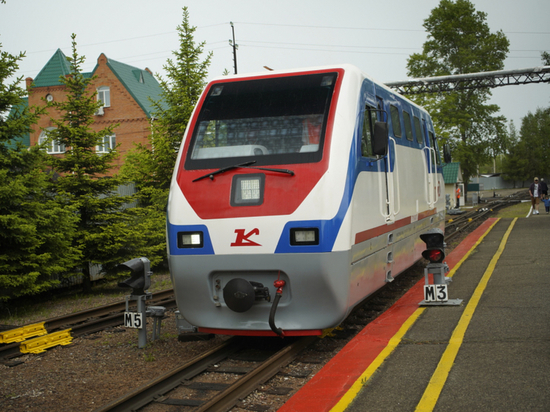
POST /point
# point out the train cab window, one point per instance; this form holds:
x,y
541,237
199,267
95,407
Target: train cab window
x,y
408,127
418,130
433,144
274,120
395,121
369,118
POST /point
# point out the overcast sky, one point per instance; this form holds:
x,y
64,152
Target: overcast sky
x,y
377,36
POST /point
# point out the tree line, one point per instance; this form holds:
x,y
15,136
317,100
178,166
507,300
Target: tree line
x,y
60,215
460,42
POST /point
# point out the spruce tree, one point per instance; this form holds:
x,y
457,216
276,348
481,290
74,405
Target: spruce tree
x,y
105,231
151,166
36,229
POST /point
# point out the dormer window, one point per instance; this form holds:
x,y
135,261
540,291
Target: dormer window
x,y
104,96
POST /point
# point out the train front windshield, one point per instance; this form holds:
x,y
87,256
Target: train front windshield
x,y
276,120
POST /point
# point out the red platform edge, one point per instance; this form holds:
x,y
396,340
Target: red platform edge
x,y
331,383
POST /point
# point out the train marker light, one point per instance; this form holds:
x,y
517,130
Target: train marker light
x,y
435,245
190,240
304,236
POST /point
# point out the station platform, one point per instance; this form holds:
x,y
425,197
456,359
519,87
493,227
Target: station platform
x,y
490,353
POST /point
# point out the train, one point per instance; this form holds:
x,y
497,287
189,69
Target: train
x,y
296,194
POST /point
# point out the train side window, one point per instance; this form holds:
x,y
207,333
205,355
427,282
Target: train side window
x,y
408,127
395,121
433,143
369,118
418,130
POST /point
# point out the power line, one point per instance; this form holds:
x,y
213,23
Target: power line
x,y
369,28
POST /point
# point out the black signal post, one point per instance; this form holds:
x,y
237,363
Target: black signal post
x,y
139,281
437,293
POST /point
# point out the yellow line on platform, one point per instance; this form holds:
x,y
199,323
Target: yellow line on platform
x,y
435,386
467,255
352,392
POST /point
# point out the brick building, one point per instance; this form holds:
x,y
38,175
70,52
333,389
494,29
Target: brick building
x,y
124,90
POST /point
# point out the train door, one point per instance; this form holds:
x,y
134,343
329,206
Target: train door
x,y
432,159
374,144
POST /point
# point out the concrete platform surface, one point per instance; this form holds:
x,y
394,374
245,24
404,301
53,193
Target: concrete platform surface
x,y
490,353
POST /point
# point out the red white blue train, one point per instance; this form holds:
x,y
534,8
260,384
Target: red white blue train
x,y
296,194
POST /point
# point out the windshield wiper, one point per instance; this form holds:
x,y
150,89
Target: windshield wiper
x,y
223,170
245,165
287,171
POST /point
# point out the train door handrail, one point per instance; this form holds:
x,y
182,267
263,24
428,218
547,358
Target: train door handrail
x,y
390,203
431,195
395,179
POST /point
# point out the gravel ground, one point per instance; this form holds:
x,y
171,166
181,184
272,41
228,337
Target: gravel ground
x,y
96,369
92,370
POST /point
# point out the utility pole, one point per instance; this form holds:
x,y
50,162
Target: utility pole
x,y
235,47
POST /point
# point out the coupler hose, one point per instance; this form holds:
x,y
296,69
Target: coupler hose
x,y
279,284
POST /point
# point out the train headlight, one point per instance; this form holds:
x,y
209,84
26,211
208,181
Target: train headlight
x,y
304,236
190,239
247,190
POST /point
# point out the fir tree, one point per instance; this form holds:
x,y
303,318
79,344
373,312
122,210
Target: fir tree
x,y
151,166
36,230
105,231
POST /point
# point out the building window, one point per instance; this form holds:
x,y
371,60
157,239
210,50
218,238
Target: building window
x,y
109,143
51,146
104,96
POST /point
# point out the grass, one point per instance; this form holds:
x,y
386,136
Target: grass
x,y
518,210
33,309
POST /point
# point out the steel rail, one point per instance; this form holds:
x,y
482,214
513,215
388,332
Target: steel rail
x,y
249,382
89,321
147,393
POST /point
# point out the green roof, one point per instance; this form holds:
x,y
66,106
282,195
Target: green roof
x,y
451,172
139,83
25,138
58,66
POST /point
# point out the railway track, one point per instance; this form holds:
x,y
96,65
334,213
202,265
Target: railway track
x,y
456,224
248,363
184,388
227,395
90,321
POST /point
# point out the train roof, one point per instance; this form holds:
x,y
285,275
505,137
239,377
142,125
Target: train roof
x,y
345,67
